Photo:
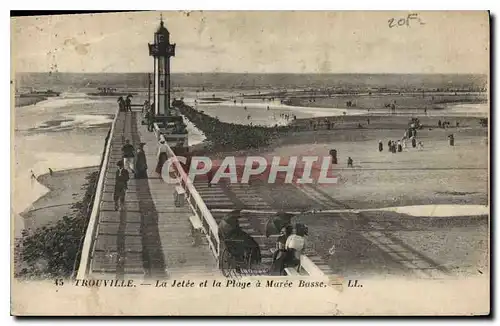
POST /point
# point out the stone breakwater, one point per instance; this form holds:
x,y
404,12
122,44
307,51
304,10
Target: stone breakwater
x,y
230,136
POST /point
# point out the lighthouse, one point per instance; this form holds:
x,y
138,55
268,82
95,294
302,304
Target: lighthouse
x,y
168,122
161,50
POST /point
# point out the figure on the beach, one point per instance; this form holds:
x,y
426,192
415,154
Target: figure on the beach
x,y
420,145
389,143
393,147
333,154
141,166
210,176
413,142
451,140
128,156
349,162
51,172
400,147
162,155
404,143
121,180
33,176
380,146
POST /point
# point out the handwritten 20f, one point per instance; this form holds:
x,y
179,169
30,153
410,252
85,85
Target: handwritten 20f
x,y
405,21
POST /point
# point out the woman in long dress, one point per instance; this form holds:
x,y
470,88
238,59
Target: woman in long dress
x,y
162,156
141,166
280,255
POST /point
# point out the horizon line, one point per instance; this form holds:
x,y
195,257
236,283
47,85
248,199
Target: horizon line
x,y
262,73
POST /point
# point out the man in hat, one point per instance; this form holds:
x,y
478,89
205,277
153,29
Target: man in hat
x,y
141,166
121,180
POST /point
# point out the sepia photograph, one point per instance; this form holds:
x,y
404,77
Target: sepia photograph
x,y
254,163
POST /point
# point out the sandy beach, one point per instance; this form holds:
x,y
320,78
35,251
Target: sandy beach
x,y
437,174
67,191
65,188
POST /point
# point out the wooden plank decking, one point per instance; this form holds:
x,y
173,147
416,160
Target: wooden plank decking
x,y
150,237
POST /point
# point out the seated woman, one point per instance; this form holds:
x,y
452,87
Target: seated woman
x,y
295,245
238,242
280,255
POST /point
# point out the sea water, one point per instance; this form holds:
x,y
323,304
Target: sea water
x,y
60,133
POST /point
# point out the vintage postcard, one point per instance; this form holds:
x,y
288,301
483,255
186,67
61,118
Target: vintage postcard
x,y
255,163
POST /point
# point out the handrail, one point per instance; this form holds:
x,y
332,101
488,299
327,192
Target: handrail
x,y
310,267
191,192
93,221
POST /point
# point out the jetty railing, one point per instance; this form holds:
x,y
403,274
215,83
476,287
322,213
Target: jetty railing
x,y
88,243
197,205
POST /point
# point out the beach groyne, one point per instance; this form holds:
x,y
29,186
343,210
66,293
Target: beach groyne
x,y
230,136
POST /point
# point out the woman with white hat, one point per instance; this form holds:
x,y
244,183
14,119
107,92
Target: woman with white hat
x,y
162,155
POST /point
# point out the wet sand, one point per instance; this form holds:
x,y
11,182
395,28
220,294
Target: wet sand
x,y
437,174
66,187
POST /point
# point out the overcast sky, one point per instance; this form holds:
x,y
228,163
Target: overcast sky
x,y
295,42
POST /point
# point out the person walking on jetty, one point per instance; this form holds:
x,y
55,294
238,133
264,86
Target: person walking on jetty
x,y
380,146
121,103
151,118
128,104
128,156
121,185
141,166
162,155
